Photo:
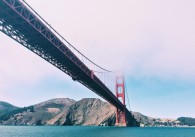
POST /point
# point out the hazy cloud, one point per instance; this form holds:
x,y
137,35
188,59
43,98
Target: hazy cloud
x,y
146,39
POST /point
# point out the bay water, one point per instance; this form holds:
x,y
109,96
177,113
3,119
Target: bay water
x,y
93,131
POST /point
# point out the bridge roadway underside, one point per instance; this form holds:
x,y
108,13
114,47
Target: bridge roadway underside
x,y
21,24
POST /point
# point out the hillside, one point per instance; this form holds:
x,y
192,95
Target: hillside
x,y
64,111
163,122
4,106
145,120
187,121
88,111
38,114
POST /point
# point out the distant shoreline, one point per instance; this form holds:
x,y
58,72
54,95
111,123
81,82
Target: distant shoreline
x,y
85,112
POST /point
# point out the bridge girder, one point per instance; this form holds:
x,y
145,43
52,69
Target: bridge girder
x,y
22,25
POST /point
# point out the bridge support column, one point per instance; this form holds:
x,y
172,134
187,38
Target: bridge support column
x,y
120,94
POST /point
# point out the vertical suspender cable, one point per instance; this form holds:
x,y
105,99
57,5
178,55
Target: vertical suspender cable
x,y
127,96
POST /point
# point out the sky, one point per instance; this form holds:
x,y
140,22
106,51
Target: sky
x,y
151,41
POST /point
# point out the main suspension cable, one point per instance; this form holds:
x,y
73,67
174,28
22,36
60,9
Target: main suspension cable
x,y
64,38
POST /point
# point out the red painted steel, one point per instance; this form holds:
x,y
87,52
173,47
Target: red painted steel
x,y
20,23
23,25
120,94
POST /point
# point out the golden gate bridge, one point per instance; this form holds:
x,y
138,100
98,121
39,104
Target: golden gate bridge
x,y
21,22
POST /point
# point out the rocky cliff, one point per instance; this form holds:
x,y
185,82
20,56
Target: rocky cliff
x,y
38,114
88,111
64,111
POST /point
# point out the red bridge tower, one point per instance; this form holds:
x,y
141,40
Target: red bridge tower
x,y
120,94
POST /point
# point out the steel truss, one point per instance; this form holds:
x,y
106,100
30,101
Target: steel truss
x,y
22,25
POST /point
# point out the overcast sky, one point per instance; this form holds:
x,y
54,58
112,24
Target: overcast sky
x,y
151,40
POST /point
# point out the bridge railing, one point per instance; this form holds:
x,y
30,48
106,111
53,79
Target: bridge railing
x,y
106,76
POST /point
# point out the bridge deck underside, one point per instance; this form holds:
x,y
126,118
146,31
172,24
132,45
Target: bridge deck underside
x,y
23,26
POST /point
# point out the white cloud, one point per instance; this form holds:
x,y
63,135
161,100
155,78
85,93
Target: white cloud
x,y
144,38
156,34
147,37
